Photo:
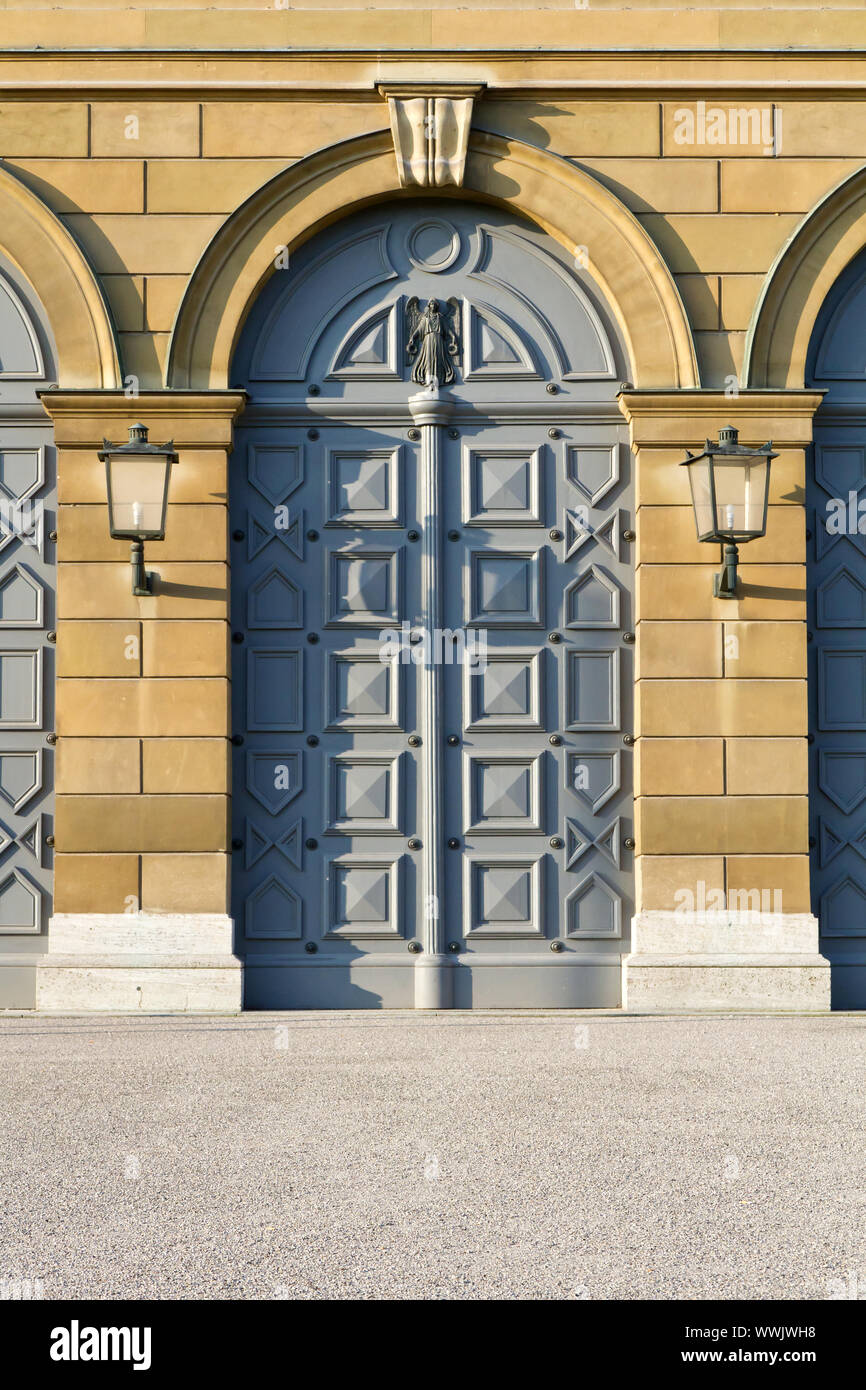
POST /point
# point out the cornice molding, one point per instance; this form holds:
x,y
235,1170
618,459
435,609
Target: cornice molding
x,y
682,419
118,404
509,73
195,419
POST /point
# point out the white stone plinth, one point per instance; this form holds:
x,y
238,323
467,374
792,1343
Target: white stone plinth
x,y
140,962
762,961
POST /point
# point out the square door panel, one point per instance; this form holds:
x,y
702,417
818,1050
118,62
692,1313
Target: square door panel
x,y
505,694
505,588
364,692
502,487
592,689
842,688
363,588
363,897
364,794
363,487
503,897
275,689
21,689
502,793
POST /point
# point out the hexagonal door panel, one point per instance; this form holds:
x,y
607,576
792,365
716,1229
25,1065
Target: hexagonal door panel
x,y
433,690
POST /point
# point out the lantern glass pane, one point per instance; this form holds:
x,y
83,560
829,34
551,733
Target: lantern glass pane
x,y
740,486
730,478
137,493
755,509
702,497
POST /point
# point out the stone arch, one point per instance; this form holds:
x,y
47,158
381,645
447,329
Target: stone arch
x,y
51,261
562,199
798,283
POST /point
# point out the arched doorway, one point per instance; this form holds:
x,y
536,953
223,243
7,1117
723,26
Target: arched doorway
x,y
28,501
432,614
836,508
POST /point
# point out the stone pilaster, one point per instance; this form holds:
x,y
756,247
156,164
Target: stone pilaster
x,y
142,721
723,911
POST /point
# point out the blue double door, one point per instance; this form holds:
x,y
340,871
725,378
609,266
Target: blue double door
x,y
432,622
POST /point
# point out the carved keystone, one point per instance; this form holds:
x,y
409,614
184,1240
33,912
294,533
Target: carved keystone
x,y
430,124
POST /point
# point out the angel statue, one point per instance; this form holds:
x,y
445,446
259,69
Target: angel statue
x,y
432,341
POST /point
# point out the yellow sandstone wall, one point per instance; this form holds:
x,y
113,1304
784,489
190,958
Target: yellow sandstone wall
x,y
721,776
144,150
143,694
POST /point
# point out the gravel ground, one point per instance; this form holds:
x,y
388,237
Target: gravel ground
x,y
420,1156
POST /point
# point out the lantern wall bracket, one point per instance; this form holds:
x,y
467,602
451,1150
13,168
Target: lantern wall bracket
x,y
142,579
725,584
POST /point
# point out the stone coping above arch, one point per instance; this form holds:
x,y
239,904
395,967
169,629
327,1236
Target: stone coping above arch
x,y
52,262
562,199
801,277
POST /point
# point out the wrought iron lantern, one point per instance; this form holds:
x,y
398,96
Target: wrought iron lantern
x,y
730,486
137,476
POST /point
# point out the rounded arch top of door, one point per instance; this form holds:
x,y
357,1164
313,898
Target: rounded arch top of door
x,y
346,315
594,229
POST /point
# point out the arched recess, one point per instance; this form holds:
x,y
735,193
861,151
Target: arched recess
x,y
52,262
799,281
563,200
